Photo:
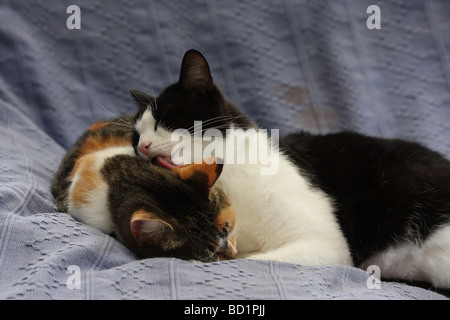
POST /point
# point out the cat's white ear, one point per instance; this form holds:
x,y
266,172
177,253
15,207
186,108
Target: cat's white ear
x,y
201,176
195,71
142,99
147,229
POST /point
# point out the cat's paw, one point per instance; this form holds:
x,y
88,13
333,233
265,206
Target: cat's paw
x,y
194,261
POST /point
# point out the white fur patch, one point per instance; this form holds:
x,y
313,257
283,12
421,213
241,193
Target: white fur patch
x,y
428,262
161,144
281,217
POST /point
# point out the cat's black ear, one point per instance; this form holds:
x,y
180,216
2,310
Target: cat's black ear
x,y
142,99
195,71
201,176
148,229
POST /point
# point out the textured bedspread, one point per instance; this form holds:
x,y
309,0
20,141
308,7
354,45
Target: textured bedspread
x,y
288,64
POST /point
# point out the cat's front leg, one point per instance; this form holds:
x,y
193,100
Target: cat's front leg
x,y
312,253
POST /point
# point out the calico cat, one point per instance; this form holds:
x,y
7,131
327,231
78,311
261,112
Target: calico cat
x,y
341,198
154,211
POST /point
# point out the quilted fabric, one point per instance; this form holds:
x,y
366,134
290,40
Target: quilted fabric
x,y
288,64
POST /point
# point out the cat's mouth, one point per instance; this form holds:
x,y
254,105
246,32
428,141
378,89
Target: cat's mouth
x,y
165,162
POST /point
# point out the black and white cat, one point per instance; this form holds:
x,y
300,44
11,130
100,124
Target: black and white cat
x,y
341,198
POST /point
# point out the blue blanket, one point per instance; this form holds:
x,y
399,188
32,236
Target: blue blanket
x,y
288,64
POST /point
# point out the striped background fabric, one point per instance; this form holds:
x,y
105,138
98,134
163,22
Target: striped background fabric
x,y
288,64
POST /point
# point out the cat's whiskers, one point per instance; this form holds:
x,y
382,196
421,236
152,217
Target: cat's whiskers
x,y
121,124
220,118
209,121
154,98
124,122
127,135
213,121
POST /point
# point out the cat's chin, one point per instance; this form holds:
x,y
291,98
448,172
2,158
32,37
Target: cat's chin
x,y
165,162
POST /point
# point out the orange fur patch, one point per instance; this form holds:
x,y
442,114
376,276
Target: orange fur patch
x,y
84,166
227,214
233,242
97,125
141,215
89,180
186,172
96,143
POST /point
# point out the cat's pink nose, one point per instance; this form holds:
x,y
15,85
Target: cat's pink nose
x,y
144,148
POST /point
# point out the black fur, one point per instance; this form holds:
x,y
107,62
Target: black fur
x,y
385,190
